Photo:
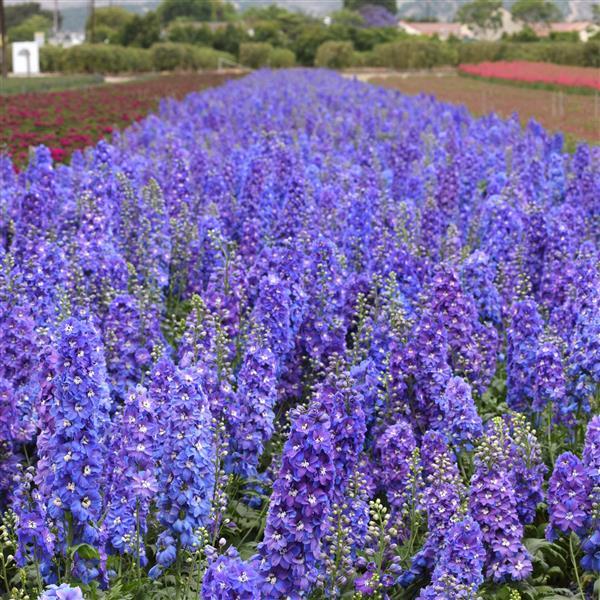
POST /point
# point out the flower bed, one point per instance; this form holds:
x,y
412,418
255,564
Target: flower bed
x,y
536,73
73,119
302,337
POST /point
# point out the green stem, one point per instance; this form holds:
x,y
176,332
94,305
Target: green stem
x,y
574,561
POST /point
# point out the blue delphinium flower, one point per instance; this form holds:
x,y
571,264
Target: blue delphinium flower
x,y
458,572
425,366
19,351
478,274
126,352
441,501
252,415
522,335
186,476
36,542
393,451
460,420
523,461
62,592
591,460
343,403
549,382
75,449
228,577
492,503
568,497
132,480
300,503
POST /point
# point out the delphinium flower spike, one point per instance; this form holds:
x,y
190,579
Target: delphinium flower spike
x,y
291,553
492,503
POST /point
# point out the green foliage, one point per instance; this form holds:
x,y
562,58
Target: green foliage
x,y
25,31
183,32
335,55
195,10
229,39
141,31
95,58
306,44
109,21
15,14
255,54
481,14
417,54
389,5
535,11
282,58
347,18
269,32
525,35
184,57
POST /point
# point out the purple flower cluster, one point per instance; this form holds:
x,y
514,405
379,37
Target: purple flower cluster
x,y
568,497
186,475
299,507
228,576
289,328
458,573
493,504
132,480
73,455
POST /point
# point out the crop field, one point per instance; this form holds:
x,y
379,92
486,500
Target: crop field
x,y
301,337
537,74
575,115
70,120
24,85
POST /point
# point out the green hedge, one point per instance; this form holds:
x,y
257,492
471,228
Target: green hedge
x,y
95,58
403,54
111,59
282,58
335,55
418,54
255,54
185,57
423,54
261,54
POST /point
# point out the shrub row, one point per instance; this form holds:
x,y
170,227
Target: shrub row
x,y
104,58
423,54
256,55
404,54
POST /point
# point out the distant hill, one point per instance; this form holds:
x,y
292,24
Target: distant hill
x,y
75,12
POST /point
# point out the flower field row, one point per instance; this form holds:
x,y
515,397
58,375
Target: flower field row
x,y
533,72
302,337
74,119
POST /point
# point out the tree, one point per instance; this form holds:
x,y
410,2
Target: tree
x,y
15,14
195,10
108,24
4,55
535,11
141,31
24,32
481,14
348,18
389,5
596,13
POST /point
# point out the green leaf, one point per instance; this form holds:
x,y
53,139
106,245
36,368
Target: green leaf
x,y
85,551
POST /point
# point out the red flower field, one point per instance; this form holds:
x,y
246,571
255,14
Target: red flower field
x,y
69,120
534,72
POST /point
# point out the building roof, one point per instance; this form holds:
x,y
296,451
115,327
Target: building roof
x,y
575,26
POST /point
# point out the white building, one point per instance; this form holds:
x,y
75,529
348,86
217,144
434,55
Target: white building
x,y
26,58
